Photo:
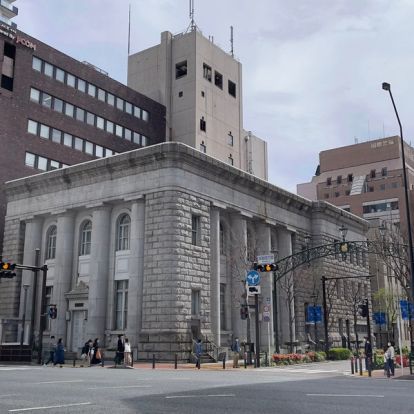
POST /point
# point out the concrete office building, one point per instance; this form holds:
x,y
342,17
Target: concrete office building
x,y
201,88
56,111
8,12
156,243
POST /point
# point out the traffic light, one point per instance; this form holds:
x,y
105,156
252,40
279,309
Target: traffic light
x,y
52,311
270,267
244,312
7,270
363,309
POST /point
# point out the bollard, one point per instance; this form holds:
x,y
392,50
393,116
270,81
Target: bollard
x,y
352,366
356,364
199,362
360,366
175,361
153,361
245,360
224,362
369,366
266,361
132,358
74,363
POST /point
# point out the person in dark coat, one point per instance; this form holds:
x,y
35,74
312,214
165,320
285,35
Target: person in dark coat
x,y
96,358
60,353
368,353
120,350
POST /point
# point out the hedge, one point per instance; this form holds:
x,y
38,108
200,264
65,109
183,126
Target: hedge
x,y
337,354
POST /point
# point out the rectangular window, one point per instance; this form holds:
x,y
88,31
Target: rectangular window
x,y
90,118
203,147
202,124
145,115
181,69
110,99
118,130
48,70
70,80
81,85
222,306
100,122
88,148
46,100
339,179
384,172
372,174
32,127
128,108
195,302
30,159
230,139
56,135
121,304
54,165
42,163
136,138
350,178
127,134
329,181
144,140
80,114
120,104
91,90
195,230
44,131
34,95
69,109
101,94
230,160
67,140
109,127
78,144
99,152
218,79
232,88
60,75
207,72
57,105
36,64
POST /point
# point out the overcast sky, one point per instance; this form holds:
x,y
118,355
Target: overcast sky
x,y
312,70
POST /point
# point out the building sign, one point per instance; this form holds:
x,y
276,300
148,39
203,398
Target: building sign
x,y
313,314
12,35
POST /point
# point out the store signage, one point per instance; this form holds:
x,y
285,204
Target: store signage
x,y
12,34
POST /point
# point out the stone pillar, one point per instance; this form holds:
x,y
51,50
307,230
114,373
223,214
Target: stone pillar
x,y
136,271
215,274
63,272
286,303
99,272
238,261
32,241
263,245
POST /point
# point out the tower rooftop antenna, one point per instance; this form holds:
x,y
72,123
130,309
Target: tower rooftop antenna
x,y
231,42
192,25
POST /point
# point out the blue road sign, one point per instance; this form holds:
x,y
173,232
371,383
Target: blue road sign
x,y
380,318
314,314
404,304
253,278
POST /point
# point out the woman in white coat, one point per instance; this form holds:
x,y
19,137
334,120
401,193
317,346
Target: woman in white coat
x,y
127,353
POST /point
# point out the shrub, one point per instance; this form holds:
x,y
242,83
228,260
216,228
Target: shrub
x,y
339,354
320,356
405,360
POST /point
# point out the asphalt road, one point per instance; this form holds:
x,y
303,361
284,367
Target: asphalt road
x,y
315,389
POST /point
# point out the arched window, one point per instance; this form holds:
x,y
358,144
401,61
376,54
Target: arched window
x,y
51,243
85,238
222,239
123,232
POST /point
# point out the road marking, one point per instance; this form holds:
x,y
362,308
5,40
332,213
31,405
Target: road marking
x,y
200,396
58,382
120,387
48,407
7,395
346,395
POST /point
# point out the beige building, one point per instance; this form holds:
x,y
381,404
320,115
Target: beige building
x,y
201,87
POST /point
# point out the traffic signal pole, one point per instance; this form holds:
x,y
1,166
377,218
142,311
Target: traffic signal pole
x,y
256,308
43,315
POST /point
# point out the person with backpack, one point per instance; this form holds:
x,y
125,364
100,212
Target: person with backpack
x,y
86,352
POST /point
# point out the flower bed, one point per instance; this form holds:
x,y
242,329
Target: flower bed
x,y
290,359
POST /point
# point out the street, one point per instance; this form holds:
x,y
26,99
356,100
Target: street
x,y
306,389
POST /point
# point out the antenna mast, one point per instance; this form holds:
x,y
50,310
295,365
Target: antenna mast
x,y
129,29
231,41
192,23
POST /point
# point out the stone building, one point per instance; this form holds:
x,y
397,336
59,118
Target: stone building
x,y
156,243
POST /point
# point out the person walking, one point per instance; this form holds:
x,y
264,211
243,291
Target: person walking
x,y
97,354
368,354
390,359
198,353
236,352
52,350
127,353
120,350
86,352
60,353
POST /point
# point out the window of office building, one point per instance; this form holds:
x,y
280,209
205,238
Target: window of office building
x,y
34,95
56,135
384,172
81,85
60,75
110,99
230,159
195,230
120,104
85,238
46,100
91,90
180,69
123,232
70,80
67,139
30,160
121,304
44,131
128,108
232,89
48,70
202,124
51,243
218,79
195,302
101,94
372,174
223,306
203,147
32,127
57,105
88,147
90,118
329,181
207,72
118,130
78,144
69,109
37,64
339,179
230,139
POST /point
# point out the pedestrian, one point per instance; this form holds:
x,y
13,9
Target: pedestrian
x,y
127,353
385,361
236,352
390,358
368,354
120,350
97,353
60,353
86,352
198,352
52,350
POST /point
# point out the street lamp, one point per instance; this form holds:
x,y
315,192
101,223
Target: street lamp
x,y
387,87
308,239
275,316
25,287
343,231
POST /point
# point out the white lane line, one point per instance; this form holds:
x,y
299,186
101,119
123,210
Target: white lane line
x,y
346,395
120,387
8,395
58,382
200,396
48,407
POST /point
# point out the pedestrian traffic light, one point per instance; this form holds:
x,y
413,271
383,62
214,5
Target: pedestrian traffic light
x,y
269,267
52,311
244,312
363,309
7,270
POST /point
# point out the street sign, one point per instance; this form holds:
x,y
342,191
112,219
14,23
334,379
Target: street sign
x,y
380,318
406,308
313,314
266,308
266,317
265,259
253,290
253,278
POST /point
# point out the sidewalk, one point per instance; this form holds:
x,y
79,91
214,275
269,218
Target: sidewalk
x,y
379,374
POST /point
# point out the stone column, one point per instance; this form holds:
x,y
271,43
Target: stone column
x,y
263,245
238,261
63,271
32,241
136,271
99,272
286,303
215,274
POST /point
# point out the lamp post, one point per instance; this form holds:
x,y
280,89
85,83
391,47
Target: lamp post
x,y
387,87
25,287
275,316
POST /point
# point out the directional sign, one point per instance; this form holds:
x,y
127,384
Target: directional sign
x,y
253,278
266,259
266,316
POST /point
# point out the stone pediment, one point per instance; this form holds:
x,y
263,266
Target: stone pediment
x,y
81,290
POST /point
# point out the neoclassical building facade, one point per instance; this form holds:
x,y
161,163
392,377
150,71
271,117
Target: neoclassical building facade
x,y
156,243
